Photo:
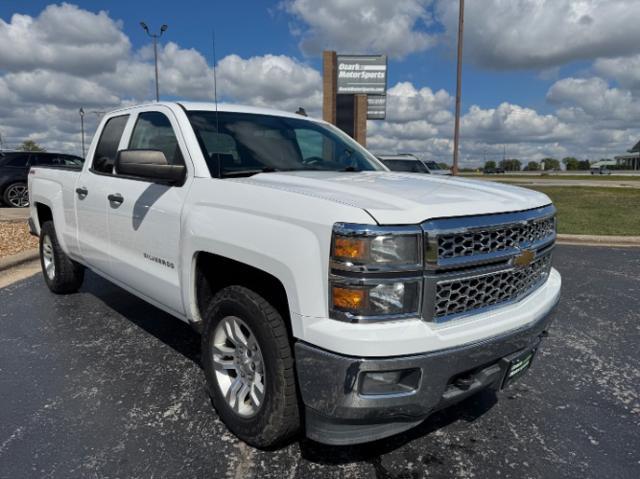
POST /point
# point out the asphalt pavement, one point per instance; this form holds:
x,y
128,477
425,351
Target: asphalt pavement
x,y
100,384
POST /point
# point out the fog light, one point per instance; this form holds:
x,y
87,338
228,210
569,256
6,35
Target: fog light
x,y
402,381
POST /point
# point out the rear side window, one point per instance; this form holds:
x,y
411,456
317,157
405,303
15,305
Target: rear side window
x,y
153,131
105,155
18,161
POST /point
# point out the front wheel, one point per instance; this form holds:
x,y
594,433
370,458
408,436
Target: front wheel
x,y
61,273
16,195
249,369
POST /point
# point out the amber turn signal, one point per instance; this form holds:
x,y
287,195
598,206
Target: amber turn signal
x,y
349,248
348,299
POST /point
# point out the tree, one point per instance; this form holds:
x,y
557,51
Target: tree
x,y
551,164
444,166
490,165
584,165
511,165
533,166
570,163
30,145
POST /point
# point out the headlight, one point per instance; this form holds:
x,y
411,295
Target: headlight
x,y
374,299
358,252
376,249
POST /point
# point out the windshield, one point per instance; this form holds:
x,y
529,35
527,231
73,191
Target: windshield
x,y
243,144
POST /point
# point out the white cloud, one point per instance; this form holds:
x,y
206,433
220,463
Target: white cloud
x,y
394,27
62,38
271,80
540,34
625,70
593,99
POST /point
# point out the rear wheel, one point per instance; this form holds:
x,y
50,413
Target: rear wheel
x,y
16,195
61,273
248,364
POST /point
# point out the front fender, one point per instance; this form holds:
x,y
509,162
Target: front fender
x,y
293,248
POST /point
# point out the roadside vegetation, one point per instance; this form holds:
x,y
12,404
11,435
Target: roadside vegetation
x,y
551,176
595,211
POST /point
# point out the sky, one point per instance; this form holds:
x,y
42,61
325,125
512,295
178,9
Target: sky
x,y
541,78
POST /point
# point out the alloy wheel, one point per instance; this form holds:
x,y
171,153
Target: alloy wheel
x,y
47,258
18,196
239,366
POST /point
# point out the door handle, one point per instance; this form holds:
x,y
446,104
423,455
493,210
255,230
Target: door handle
x,y
117,198
82,192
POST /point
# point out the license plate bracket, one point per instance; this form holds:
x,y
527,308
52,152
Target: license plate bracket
x,y
518,366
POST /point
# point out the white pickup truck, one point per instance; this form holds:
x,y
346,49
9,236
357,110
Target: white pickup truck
x,y
329,291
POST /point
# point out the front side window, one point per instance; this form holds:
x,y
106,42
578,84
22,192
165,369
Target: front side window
x,y
243,144
410,166
153,131
105,155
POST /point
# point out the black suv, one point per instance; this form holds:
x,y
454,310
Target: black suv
x,y
14,168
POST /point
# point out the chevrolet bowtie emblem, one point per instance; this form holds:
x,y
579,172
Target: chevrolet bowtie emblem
x,y
524,259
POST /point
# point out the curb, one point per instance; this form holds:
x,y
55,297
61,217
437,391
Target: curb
x,y
593,240
18,259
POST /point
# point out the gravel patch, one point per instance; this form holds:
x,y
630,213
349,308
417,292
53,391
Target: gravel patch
x,y
15,238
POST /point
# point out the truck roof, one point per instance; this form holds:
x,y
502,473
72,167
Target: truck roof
x,y
223,107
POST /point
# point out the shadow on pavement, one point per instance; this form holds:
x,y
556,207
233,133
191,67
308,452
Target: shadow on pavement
x,y
468,410
167,328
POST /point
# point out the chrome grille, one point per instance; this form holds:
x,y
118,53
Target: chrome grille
x,y
491,240
457,296
470,262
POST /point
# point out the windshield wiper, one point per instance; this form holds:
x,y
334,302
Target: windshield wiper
x,y
266,169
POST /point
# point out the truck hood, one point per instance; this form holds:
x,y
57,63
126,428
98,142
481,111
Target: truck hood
x,y
404,198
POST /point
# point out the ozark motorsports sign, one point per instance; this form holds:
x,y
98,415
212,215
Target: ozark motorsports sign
x,y
364,74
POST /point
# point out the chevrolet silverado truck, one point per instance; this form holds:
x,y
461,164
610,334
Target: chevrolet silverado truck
x,y
331,294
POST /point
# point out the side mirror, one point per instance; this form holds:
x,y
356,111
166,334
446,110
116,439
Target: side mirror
x,y
149,165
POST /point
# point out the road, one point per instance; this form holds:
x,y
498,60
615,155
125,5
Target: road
x,y
100,384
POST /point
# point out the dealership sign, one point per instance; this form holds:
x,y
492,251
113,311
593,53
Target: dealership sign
x,y
364,74
376,107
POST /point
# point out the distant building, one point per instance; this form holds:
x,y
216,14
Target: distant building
x,y
630,160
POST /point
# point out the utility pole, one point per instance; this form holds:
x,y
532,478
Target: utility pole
x,y
456,134
155,37
81,111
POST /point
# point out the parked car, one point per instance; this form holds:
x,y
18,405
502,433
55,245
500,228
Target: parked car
x,y
494,171
600,170
14,169
412,164
330,293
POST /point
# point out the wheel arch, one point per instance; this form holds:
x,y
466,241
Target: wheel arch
x,y
206,283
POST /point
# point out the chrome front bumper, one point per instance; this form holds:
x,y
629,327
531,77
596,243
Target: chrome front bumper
x,y
337,413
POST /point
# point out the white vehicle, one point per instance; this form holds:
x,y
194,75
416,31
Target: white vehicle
x,y
412,164
329,291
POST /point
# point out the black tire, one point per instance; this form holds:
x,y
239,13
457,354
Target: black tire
x,y
16,195
278,417
66,276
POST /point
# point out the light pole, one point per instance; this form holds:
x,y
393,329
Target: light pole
x,y
456,134
81,111
155,37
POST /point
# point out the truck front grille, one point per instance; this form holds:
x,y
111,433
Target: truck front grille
x,y
457,296
479,262
494,239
